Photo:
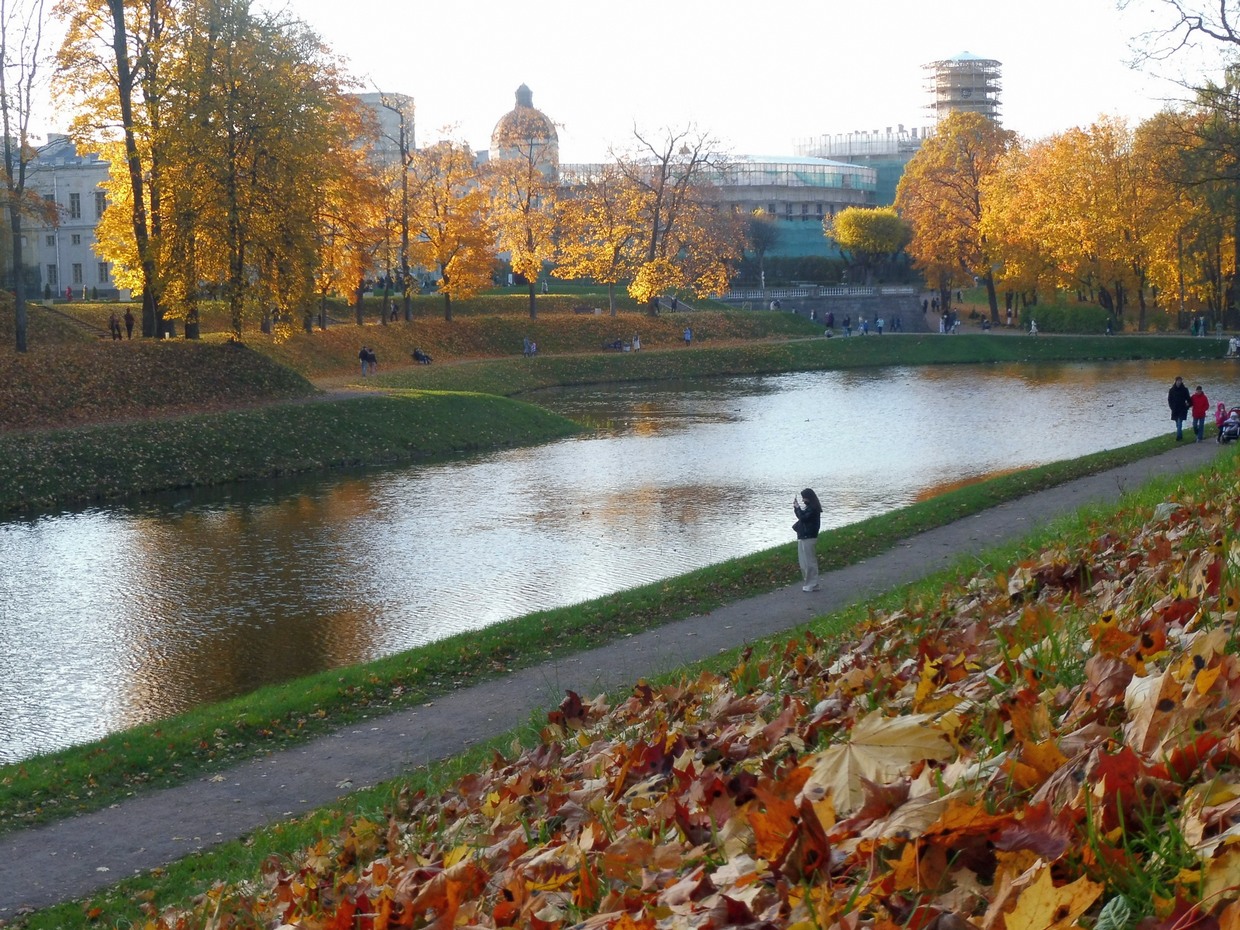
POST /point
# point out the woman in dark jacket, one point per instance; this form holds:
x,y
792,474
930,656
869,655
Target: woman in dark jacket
x,y
809,519
1178,399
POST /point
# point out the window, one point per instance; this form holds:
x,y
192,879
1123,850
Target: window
x,y
53,278
75,206
77,272
804,211
101,203
76,239
819,206
770,208
51,242
103,272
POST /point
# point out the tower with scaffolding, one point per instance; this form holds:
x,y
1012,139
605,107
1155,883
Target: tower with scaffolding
x,y
966,83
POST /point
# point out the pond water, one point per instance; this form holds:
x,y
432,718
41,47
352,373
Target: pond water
x,y
112,616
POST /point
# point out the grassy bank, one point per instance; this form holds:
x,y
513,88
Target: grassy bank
x,y
47,468
513,376
210,738
83,383
1029,653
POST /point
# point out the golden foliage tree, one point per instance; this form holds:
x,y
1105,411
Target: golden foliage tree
x,y
868,236
940,195
685,240
523,187
599,223
449,212
112,68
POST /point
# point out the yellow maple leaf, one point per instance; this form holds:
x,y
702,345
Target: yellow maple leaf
x,y
879,749
1042,906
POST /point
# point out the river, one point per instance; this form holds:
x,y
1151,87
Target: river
x,y
112,616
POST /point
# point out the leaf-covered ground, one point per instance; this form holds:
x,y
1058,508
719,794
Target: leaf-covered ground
x,y
1045,745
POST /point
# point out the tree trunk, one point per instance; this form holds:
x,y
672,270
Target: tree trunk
x,y
992,297
611,297
151,321
533,301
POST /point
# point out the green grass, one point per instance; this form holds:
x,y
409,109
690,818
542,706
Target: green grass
x,y
210,738
124,903
42,469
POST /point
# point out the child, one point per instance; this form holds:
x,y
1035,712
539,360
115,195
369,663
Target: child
x,y
1230,430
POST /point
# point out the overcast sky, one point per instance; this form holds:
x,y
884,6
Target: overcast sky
x,y
761,76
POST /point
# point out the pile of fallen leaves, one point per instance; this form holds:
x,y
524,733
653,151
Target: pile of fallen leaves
x,y
1049,745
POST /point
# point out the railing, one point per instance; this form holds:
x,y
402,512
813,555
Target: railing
x,y
816,291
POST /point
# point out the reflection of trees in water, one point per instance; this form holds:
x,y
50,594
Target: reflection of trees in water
x,y
221,618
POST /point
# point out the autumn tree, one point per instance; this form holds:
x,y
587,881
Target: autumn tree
x,y
449,214
940,195
685,239
112,67
868,237
21,71
523,185
599,226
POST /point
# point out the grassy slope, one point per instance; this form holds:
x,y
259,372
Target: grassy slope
x,y
55,467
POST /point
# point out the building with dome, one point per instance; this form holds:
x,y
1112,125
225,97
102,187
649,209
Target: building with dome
x,y
526,134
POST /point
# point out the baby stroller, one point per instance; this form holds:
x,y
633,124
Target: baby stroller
x,y
1230,430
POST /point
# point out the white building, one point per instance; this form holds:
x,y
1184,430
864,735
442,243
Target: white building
x,y
64,253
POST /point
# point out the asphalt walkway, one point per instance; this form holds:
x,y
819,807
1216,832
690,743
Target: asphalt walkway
x,y
71,859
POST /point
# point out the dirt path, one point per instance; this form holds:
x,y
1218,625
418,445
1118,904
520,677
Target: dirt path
x,y
73,858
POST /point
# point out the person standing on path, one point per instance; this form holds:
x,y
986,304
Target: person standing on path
x,y
1201,406
1178,399
809,520
688,336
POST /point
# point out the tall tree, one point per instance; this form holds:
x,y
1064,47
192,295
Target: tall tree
x,y
111,66
599,224
868,237
761,235
21,61
401,144
449,213
940,195
686,241
523,201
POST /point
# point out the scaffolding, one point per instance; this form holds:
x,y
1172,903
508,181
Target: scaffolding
x,y
966,83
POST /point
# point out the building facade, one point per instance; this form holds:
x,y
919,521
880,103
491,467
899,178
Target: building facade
x,y
65,253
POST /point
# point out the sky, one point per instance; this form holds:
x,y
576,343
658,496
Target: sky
x,y
760,76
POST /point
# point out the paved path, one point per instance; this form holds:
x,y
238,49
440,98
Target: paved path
x,y
73,858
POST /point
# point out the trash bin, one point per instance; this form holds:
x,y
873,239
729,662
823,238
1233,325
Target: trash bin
x,y
168,329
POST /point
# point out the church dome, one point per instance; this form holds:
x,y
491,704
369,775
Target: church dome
x,y
525,132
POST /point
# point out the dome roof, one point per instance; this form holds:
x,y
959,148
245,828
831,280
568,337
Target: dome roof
x,y
522,126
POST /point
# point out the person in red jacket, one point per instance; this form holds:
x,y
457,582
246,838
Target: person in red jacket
x,y
1201,406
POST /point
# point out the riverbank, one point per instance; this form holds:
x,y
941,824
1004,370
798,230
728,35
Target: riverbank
x,y
43,469
211,737
88,853
511,377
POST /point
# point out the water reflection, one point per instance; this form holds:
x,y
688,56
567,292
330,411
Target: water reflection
x,y
126,614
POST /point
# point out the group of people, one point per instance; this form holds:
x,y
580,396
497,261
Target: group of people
x,y
529,347
114,325
1184,403
370,362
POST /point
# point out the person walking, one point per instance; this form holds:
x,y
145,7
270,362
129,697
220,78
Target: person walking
x,y
688,336
1201,406
114,326
129,323
1179,400
809,520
